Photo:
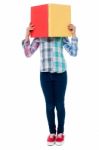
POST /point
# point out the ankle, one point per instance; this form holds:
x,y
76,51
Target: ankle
x,y
52,134
59,134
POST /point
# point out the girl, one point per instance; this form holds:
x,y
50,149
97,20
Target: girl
x,y
53,76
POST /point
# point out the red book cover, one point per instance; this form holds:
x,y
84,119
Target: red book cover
x,y
39,18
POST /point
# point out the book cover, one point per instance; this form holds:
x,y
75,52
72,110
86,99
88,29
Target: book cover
x,y
59,19
39,18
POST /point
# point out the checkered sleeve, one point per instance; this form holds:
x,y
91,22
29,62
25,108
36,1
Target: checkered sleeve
x,y
71,46
29,49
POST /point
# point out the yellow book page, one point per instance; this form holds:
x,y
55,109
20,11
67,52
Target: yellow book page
x,y
59,19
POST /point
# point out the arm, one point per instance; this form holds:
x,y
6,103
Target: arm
x,y
29,49
71,46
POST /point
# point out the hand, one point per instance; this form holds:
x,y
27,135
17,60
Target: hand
x,y
72,29
30,28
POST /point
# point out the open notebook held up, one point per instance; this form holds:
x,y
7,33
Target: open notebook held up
x,y
51,20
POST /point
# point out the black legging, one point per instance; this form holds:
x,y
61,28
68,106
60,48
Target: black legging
x,y
54,87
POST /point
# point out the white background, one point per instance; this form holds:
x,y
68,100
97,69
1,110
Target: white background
x,y
23,123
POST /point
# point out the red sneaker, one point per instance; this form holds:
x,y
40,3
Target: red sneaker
x,y
51,139
59,139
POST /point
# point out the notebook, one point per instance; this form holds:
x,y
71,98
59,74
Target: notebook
x,y
51,20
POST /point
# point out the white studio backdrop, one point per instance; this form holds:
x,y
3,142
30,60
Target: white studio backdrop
x,y
23,123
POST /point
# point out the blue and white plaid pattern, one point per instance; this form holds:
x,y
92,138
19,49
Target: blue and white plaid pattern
x,y
51,52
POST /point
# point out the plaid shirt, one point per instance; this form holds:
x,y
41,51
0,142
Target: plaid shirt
x,y
51,52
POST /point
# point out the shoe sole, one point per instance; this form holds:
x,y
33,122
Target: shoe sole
x,y
59,143
50,143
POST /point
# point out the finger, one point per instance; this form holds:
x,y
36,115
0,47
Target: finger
x,y
70,25
31,28
70,28
30,24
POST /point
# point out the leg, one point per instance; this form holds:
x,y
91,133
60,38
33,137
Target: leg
x,y
60,83
47,87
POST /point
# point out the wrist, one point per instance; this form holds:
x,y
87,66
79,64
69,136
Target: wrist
x,y
74,35
27,37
